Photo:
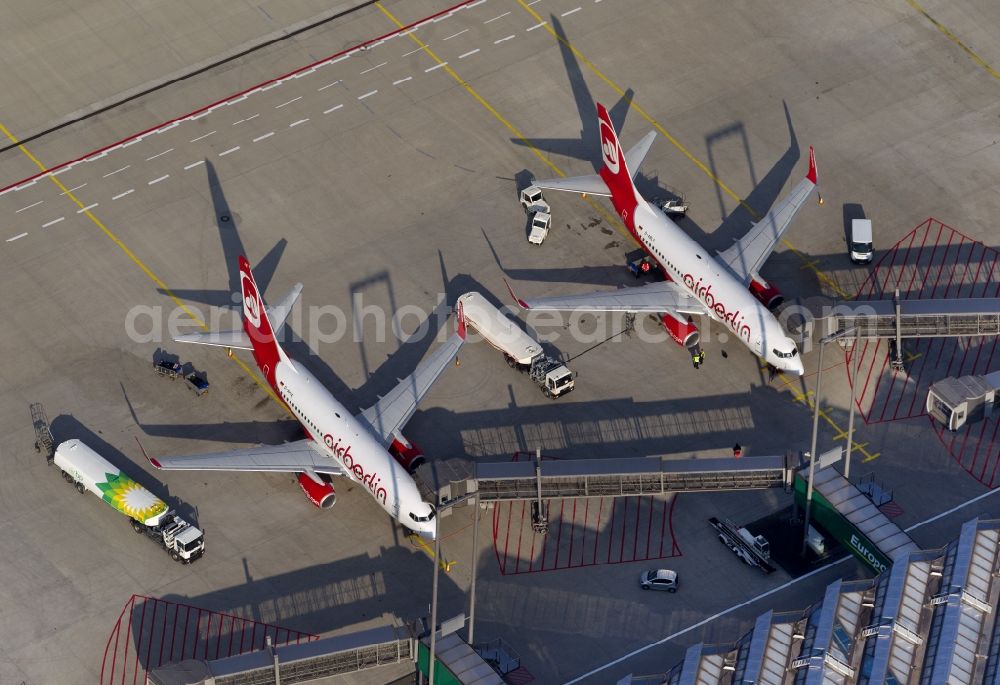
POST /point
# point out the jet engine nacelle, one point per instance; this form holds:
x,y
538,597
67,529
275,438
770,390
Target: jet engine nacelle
x,y
320,494
408,455
681,330
768,295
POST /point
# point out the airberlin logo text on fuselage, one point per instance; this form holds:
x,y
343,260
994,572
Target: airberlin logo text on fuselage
x,y
372,480
705,294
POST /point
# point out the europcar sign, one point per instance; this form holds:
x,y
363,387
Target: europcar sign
x,y
839,527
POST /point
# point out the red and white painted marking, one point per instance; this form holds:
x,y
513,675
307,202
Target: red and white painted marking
x,y
151,632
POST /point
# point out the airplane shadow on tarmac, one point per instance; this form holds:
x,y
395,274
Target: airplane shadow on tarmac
x,y
315,599
618,427
398,364
66,427
588,145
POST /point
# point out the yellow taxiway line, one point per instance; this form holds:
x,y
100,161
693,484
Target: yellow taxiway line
x,y
131,255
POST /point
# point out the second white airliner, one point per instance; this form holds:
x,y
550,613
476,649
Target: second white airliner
x,y
727,287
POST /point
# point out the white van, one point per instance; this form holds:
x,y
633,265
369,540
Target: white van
x,y
861,241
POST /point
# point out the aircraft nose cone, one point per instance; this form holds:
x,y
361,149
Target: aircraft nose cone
x,y
795,366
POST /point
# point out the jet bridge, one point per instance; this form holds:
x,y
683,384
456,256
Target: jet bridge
x,y
568,478
950,318
898,318
294,663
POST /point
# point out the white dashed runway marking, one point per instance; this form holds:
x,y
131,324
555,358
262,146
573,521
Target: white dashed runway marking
x,y
29,206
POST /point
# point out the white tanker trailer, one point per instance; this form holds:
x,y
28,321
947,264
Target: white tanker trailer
x,y
519,349
90,472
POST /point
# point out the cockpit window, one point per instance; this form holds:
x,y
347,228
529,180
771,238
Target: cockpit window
x,y
785,355
423,519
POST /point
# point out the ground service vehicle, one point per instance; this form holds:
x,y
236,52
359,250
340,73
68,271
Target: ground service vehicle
x,y
197,384
674,207
539,227
171,370
533,201
660,579
861,241
754,550
90,472
520,350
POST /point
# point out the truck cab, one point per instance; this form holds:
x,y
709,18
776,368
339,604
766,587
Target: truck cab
x,y
758,542
559,381
189,542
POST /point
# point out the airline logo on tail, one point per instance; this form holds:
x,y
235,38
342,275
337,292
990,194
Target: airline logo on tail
x,y
609,146
251,300
615,172
265,348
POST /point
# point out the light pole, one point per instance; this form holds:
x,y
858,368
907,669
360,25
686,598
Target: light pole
x,y
475,564
434,596
855,354
812,451
437,568
815,430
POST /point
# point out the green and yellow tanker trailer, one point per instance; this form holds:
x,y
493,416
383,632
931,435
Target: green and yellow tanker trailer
x,y
90,472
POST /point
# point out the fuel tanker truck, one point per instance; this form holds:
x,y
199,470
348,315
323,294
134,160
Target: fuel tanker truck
x,y
520,350
148,514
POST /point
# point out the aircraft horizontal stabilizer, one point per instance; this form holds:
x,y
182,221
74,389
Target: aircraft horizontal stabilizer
x,y
637,153
587,185
237,339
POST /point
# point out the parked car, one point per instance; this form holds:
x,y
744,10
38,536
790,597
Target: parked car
x,y
659,579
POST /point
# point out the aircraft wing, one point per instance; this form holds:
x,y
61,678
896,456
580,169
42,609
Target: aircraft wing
x,y
655,297
388,416
748,254
291,457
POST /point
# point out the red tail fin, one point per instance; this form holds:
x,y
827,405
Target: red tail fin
x,y
615,172
462,332
813,175
265,348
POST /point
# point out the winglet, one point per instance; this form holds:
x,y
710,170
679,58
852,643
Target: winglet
x,y
813,175
153,462
461,321
520,303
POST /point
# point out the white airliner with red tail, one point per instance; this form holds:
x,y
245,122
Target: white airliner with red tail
x,y
728,287
369,448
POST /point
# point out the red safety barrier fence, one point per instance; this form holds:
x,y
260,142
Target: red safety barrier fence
x,y
931,261
587,531
151,632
